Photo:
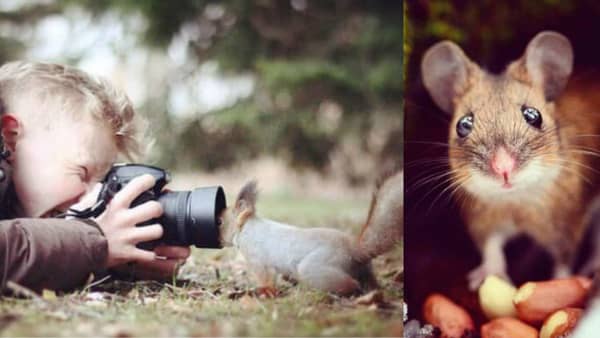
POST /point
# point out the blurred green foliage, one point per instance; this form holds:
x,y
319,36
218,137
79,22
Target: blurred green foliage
x,y
346,52
324,70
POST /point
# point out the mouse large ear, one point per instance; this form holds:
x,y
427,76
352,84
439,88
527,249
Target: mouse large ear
x,y
446,70
548,63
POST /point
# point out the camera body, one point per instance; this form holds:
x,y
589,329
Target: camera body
x,y
121,174
189,217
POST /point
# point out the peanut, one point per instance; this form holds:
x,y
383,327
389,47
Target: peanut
x,y
560,323
535,301
450,318
507,327
495,298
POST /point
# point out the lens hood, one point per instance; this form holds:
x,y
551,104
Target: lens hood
x,y
203,223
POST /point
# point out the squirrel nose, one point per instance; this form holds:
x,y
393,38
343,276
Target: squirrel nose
x,y
503,163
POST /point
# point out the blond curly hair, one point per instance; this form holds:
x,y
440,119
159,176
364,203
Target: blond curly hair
x,y
73,93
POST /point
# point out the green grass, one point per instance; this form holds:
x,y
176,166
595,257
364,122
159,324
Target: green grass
x,y
305,211
213,296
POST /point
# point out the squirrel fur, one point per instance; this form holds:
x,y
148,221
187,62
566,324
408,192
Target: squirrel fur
x,y
323,258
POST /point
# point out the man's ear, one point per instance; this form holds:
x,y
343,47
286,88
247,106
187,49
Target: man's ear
x,y
11,131
547,63
446,73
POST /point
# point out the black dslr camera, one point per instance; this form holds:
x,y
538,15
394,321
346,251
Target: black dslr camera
x,y
189,217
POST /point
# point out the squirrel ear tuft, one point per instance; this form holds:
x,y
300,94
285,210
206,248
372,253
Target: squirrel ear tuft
x,y
246,199
446,71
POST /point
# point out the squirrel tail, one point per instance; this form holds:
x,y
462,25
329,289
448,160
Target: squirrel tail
x,y
245,204
383,228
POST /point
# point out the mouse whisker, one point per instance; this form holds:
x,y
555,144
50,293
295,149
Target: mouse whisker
x,y
562,165
453,178
439,160
460,196
584,135
590,149
428,179
424,180
435,143
455,185
583,152
426,161
463,151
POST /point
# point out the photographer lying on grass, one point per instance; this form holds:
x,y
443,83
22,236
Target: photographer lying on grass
x,y
62,131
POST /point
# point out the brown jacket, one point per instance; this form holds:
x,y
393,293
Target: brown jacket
x,y
49,253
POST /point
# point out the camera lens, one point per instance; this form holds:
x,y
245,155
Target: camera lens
x,y
192,217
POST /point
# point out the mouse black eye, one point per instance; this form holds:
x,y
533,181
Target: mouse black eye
x,y
465,125
532,116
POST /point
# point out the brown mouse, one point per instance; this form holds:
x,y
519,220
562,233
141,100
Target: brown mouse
x,y
521,147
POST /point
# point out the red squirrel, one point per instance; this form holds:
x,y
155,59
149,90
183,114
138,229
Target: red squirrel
x,y
521,147
322,258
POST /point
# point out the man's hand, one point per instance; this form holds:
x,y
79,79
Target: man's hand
x,y
169,259
118,224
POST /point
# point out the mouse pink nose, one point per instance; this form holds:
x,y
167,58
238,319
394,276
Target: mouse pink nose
x,y
503,163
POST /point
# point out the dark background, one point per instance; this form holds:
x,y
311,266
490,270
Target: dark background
x,y
438,251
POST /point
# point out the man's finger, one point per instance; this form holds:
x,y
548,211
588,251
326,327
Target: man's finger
x,y
144,212
143,256
157,269
144,233
132,190
178,252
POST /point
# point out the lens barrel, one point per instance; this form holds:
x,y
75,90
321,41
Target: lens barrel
x,y
192,217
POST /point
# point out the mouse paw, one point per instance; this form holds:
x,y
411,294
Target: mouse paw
x,y
478,275
561,271
266,292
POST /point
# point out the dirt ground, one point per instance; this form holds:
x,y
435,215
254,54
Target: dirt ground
x,y
213,294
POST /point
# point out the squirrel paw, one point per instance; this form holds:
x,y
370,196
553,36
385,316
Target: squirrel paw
x,y
266,292
478,275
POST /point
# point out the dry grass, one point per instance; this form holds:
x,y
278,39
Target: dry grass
x,y
213,295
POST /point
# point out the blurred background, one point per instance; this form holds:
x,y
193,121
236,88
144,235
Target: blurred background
x,y
306,96
438,251
310,86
